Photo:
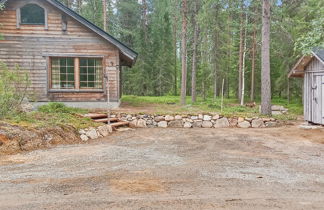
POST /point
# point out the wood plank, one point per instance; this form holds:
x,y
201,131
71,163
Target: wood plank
x,y
119,124
104,120
95,115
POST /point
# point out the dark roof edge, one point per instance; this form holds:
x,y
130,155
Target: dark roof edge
x,y
318,52
131,54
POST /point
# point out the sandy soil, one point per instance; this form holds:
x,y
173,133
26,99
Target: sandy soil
x,y
277,168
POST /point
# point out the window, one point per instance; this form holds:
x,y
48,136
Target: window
x,y
90,73
63,73
76,73
32,14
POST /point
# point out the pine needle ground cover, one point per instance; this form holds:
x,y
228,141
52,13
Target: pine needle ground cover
x,y
231,107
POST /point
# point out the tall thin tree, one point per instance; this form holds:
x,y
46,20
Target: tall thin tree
x,y
184,52
194,54
265,60
104,14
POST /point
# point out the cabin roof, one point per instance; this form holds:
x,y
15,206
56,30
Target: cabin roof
x,y
299,69
127,53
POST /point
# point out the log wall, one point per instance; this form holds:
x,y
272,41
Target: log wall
x,y
30,46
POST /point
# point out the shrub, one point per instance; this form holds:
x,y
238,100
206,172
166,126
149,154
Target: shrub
x,y
13,89
56,107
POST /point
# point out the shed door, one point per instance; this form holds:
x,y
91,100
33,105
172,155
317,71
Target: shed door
x,y
317,96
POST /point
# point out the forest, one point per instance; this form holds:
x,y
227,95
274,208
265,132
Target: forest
x,y
217,43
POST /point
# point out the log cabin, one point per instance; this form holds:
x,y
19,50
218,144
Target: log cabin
x,y
311,68
68,59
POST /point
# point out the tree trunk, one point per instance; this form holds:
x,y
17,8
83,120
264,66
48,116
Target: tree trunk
x,y
253,64
265,60
243,62
184,52
175,85
241,53
104,12
194,57
79,6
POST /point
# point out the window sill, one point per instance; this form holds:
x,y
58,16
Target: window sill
x,y
76,91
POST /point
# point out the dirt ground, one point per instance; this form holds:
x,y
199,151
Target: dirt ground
x,y
273,168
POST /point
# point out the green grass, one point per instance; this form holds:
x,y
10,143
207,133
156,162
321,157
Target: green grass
x,y
51,115
231,107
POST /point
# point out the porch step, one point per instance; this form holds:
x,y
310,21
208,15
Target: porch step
x,y
105,120
119,124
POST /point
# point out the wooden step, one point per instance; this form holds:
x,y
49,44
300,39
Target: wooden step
x,y
105,120
95,115
119,124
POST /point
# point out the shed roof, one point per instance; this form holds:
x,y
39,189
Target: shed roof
x,y
299,69
127,53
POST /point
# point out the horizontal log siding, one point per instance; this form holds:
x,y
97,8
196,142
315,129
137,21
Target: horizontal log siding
x,y
28,47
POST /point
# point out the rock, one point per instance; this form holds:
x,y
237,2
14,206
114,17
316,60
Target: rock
x,y
169,118
257,123
197,124
149,122
215,117
129,116
194,117
133,123
162,124
159,118
92,134
266,119
178,117
233,122
84,137
26,107
141,123
109,128
271,124
248,119
187,125
222,123
103,130
244,124
207,124
207,118
276,112
82,131
200,116
240,119
175,124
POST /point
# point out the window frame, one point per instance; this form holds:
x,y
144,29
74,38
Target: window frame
x,y
77,87
18,16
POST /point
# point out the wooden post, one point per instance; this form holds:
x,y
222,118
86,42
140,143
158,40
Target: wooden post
x,y
77,73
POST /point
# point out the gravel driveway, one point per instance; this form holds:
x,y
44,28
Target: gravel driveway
x,y
170,169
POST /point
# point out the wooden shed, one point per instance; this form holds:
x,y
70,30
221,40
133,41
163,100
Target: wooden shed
x,y
67,57
311,68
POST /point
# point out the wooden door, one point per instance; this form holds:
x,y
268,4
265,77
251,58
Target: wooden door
x,y
316,101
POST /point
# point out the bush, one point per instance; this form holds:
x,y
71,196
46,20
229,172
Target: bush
x,y
13,89
56,107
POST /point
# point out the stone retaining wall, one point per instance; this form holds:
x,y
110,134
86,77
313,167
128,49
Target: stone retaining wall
x,y
195,121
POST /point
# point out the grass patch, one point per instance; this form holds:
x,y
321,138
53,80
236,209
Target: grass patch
x,y
51,115
231,107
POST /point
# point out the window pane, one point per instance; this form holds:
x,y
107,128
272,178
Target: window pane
x,y
62,73
32,14
91,73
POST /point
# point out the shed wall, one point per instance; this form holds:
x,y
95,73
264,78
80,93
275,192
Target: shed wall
x,y
30,46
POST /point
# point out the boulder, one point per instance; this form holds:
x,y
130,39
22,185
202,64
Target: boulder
x,y
84,137
215,117
159,118
207,118
233,122
222,123
194,117
92,133
200,116
82,131
207,124
240,119
271,124
109,128
197,124
162,124
175,124
141,123
187,125
133,123
169,118
257,123
178,117
244,124
103,130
